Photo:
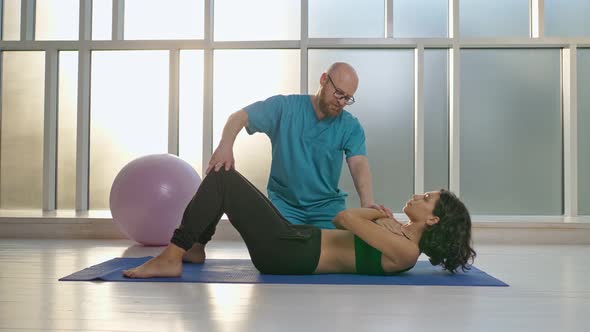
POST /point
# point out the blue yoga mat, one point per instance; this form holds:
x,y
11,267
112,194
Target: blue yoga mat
x,y
242,271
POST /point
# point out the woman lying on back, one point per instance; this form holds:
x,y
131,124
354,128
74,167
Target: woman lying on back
x,y
365,241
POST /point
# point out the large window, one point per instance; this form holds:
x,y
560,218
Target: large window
x,y
482,113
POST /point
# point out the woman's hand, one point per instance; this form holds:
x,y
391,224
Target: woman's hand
x,y
381,208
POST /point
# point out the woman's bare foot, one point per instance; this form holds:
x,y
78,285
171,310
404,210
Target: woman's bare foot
x,y
196,254
167,264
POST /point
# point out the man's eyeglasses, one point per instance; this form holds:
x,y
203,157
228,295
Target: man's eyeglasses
x,y
339,94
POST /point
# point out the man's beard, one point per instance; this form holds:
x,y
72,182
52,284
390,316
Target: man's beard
x,y
325,108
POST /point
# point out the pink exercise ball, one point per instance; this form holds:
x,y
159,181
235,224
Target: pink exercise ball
x,y
149,195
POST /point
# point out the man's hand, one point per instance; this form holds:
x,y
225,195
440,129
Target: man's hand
x,y
381,208
223,156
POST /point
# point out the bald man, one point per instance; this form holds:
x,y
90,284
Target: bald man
x,y
309,136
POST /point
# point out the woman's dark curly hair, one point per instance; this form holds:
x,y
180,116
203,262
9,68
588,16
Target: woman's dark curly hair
x,y
448,242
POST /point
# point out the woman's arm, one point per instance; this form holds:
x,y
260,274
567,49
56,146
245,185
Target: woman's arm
x,y
366,213
398,251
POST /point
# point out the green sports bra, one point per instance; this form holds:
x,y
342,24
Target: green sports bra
x,y
368,259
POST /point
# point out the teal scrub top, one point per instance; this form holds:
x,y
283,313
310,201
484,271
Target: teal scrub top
x,y
307,154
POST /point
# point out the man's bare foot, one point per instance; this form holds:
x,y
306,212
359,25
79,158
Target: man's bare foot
x,y
196,254
167,264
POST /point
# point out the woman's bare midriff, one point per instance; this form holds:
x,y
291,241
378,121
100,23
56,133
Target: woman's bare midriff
x,y
337,254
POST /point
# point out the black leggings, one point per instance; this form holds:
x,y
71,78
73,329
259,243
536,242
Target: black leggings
x,y
275,245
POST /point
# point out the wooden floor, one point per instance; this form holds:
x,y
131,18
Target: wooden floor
x,y
549,291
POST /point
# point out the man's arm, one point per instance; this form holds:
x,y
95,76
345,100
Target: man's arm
x,y
363,182
362,178
224,155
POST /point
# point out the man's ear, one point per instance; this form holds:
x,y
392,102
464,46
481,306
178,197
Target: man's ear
x,y
432,220
323,79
